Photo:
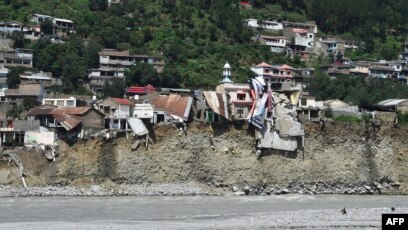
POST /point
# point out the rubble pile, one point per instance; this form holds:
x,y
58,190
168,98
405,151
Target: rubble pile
x,y
275,117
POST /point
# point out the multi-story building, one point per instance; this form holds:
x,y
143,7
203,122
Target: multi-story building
x,y
270,73
111,58
38,78
10,26
113,64
17,58
61,27
98,77
276,43
386,70
264,25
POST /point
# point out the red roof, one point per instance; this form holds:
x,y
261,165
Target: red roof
x,y
122,101
264,64
285,67
300,31
140,89
245,3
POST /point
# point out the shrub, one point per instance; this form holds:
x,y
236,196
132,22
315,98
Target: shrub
x,y
348,118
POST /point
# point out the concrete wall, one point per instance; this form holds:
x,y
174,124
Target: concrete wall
x,y
93,119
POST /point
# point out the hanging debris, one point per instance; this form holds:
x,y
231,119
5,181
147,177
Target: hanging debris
x,y
274,116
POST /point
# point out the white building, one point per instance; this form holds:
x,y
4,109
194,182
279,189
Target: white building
x,y
276,43
64,102
3,78
10,26
304,37
384,69
61,27
117,110
263,24
143,111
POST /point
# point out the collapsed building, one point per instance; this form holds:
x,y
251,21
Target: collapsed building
x,y
269,103
273,112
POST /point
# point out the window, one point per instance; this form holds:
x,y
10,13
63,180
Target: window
x,y
241,96
240,112
48,102
303,102
71,103
106,109
60,103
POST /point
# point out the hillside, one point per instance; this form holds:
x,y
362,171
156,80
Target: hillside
x,y
196,37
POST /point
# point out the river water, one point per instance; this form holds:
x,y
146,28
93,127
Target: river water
x,y
248,212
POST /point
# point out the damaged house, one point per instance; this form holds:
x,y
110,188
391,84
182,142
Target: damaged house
x,y
69,122
116,111
309,108
273,113
173,107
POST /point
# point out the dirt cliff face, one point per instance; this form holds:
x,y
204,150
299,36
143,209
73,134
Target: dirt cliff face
x,y
340,154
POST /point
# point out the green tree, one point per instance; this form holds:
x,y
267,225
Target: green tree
x,y
13,77
15,111
142,74
116,89
29,103
98,5
47,27
18,39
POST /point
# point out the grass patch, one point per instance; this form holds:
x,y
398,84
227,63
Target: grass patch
x,y
402,118
348,118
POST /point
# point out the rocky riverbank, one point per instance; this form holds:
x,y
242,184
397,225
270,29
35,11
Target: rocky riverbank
x,y
108,190
194,189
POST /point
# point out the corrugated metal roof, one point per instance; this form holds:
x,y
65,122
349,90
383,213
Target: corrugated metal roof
x,y
140,89
71,110
137,126
41,110
217,102
67,121
123,101
391,102
174,104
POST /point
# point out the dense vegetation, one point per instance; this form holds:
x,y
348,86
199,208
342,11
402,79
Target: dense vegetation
x,y
196,37
355,90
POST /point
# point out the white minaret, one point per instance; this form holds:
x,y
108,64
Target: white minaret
x,y
226,73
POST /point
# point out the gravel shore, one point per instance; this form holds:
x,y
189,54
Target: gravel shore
x,y
109,188
101,190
